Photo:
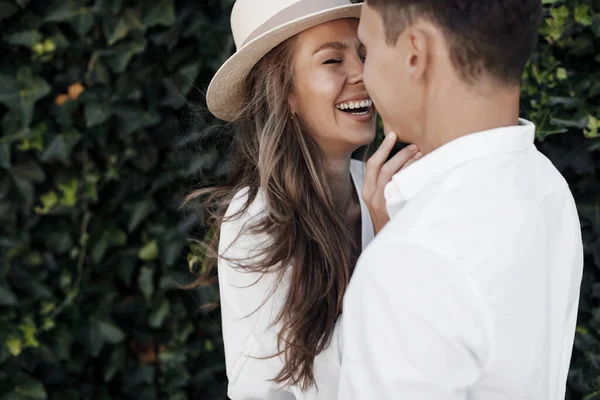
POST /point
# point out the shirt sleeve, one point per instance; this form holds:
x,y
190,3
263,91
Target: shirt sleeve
x,y
414,327
250,303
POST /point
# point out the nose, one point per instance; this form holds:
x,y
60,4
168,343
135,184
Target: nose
x,y
355,70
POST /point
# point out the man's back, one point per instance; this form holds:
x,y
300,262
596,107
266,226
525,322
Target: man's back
x,y
478,273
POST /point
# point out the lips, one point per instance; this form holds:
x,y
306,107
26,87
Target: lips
x,y
356,107
359,114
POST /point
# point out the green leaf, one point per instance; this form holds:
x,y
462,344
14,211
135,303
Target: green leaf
x,y
60,147
22,93
555,26
159,12
29,387
140,211
126,267
7,9
116,237
33,139
183,334
102,240
91,186
135,118
109,331
149,252
560,14
24,175
171,249
119,56
48,324
5,155
69,192
29,331
596,25
582,15
14,345
96,113
7,297
116,29
116,363
94,342
158,316
108,7
49,200
24,38
145,282
37,289
25,188
591,131
561,74
29,170
76,14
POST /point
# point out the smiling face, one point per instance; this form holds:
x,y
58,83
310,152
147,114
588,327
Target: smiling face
x,y
329,96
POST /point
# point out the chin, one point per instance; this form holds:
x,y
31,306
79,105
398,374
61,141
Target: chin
x,y
362,137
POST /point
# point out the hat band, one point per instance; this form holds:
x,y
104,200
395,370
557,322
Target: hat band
x,y
297,10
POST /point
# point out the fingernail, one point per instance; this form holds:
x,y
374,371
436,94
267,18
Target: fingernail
x,y
418,155
390,135
413,147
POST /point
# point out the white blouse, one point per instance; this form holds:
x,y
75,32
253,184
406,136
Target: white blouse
x,y
251,301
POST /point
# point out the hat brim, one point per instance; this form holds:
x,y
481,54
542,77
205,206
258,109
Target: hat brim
x,y
225,91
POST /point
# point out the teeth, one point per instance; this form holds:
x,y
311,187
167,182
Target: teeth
x,y
355,104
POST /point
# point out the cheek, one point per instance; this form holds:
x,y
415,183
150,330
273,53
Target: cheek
x,y
321,89
377,82
318,94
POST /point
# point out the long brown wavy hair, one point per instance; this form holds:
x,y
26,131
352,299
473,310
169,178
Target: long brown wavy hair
x,y
275,156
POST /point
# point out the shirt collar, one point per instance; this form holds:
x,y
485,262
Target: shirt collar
x,y
411,181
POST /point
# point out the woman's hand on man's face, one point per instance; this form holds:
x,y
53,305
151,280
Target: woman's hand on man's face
x,y
379,172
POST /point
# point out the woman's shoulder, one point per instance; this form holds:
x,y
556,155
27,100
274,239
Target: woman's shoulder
x,y
239,209
242,213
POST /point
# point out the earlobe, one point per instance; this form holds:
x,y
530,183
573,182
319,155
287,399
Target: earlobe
x,y
292,105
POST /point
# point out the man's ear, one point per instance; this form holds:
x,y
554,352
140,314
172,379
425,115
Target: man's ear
x,y
417,59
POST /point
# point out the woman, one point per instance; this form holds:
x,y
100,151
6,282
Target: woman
x,y
295,222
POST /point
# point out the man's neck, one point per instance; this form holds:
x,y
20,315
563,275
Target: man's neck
x,y
466,113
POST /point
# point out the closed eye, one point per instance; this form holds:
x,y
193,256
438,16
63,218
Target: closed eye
x,y
333,61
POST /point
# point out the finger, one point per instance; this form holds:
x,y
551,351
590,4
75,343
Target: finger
x,y
412,160
378,158
395,163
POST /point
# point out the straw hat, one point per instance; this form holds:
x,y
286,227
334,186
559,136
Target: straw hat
x,y
259,26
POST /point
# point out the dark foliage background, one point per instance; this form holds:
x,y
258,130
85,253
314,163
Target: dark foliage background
x,y
98,147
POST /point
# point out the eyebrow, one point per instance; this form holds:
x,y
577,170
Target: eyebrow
x,y
331,45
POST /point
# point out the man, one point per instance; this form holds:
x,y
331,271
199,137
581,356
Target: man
x,y
471,289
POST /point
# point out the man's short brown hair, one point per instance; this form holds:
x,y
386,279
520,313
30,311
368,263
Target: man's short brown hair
x,y
486,37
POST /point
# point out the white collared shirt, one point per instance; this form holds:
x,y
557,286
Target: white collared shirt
x,y
471,290
250,303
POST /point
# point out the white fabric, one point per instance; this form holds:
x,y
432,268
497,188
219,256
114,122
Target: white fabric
x,y
249,334
471,291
